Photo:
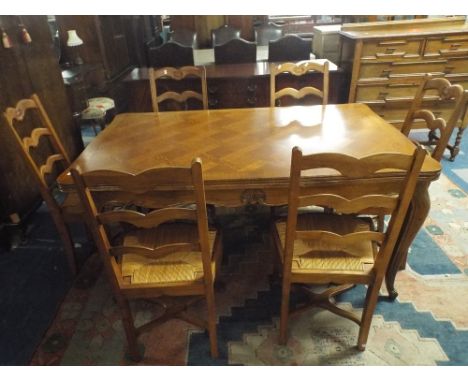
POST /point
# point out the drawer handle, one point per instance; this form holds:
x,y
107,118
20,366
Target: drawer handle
x,y
251,101
252,88
390,50
212,102
382,95
398,54
385,73
412,84
455,46
212,89
399,42
448,69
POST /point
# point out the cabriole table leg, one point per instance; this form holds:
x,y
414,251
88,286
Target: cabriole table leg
x,y
417,213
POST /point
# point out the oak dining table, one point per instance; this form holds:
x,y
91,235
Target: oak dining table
x,y
246,155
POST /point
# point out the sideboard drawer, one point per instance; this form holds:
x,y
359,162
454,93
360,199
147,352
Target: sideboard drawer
x,y
376,69
457,65
449,45
457,79
392,48
390,112
395,111
378,91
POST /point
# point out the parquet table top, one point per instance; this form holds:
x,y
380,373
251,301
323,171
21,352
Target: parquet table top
x,y
242,146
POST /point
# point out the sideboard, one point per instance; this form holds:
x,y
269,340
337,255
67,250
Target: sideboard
x,y
235,86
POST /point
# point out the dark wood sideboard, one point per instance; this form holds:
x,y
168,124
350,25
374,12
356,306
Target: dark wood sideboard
x,y
235,86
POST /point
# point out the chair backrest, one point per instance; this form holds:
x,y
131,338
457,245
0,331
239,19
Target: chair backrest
x,y
235,51
444,91
178,74
170,53
184,37
289,48
266,33
299,69
364,201
114,190
51,149
223,34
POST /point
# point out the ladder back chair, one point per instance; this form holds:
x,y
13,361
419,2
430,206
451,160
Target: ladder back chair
x,y
159,248
440,126
341,247
33,149
178,74
298,69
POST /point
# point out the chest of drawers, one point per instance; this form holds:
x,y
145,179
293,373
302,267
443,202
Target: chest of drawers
x,y
326,42
378,54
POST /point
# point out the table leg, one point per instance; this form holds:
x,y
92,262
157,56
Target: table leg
x,y
417,213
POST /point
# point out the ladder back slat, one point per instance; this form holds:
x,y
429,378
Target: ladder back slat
x,y
344,205
152,219
155,252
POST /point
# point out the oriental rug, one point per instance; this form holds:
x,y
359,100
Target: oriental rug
x,y
426,325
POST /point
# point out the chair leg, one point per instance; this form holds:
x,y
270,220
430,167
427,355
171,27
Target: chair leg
x,y
367,314
283,334
211,313
129,327
66,238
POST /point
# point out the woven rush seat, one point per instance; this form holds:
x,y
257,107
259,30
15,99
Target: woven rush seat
x,y
308,260
172,268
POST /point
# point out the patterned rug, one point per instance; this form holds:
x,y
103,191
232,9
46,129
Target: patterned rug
x,y
426,325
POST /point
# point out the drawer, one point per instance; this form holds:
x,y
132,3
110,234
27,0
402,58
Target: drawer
x,y
395,112
379,91
392,48
461,80
390,113
456,65
376,69
446,46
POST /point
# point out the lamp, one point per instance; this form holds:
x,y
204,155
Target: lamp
x,y
73,42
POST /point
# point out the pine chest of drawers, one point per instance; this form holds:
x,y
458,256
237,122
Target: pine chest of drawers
x,y
378,54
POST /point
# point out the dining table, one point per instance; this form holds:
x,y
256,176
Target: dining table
x,y
246,155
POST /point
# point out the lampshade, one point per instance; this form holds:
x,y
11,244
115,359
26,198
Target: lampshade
x,y
73,39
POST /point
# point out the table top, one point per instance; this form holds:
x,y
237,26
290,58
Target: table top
x,y
243,146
